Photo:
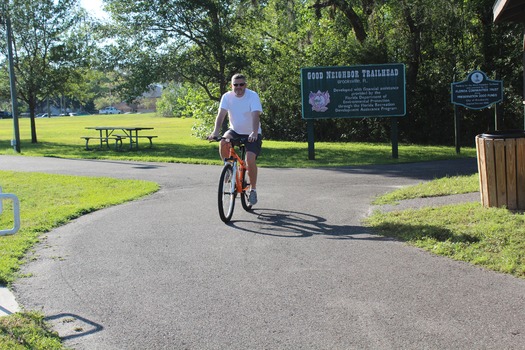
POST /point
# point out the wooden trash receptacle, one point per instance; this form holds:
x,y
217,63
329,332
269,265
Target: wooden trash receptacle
x,y
501,168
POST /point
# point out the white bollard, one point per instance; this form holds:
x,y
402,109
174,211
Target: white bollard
x,y
16,213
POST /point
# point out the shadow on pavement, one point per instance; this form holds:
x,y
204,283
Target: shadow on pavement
x,y
70,326
292,224
4,311
137,165
423,170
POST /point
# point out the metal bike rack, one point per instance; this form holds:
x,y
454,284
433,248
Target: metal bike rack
x,y
16,212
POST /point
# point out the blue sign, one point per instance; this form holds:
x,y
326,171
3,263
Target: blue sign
x,y
477,92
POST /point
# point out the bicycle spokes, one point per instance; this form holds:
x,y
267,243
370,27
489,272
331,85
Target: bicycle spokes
x,y
227,193
244,193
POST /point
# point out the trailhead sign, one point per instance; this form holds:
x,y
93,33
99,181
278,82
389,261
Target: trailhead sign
x,y
477,92
365,91
353,91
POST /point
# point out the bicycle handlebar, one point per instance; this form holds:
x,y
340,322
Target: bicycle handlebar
x,y
233,141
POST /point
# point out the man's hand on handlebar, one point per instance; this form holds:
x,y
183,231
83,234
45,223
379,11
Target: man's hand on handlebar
x,y
252,137
214,137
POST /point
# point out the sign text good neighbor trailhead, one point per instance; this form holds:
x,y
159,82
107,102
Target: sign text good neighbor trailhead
x,y
366,91
353,91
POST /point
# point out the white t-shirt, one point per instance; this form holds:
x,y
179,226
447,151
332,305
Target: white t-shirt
x,y
240,110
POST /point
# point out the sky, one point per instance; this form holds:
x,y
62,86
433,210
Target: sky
x,y
94,7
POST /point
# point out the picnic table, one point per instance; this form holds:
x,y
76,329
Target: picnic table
x,y
118,134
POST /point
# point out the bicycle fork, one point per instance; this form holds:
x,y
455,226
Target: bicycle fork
x,y
234,177
237,183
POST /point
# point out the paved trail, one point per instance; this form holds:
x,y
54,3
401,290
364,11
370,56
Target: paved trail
x,y
299,272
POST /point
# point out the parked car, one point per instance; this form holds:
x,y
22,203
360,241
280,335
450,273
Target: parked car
x,y
110,110
5,115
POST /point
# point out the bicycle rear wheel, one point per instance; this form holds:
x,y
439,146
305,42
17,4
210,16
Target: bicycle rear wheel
x,y
227,193
244,195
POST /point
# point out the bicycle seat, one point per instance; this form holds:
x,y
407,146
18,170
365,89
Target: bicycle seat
x,y
239,141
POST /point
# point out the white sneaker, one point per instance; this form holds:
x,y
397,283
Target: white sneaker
x,y
253,197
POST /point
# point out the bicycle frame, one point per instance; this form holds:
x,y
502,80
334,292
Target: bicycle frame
x,y
233,180
239,166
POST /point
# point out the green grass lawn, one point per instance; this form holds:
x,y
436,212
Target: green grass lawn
x,y
439,187
61,137
71,197
27,330
490,237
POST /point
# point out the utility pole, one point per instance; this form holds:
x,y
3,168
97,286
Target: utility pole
x,y
15,142
12,80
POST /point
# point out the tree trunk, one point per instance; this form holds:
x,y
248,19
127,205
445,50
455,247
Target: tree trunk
x,y
415,46
355,21
32,108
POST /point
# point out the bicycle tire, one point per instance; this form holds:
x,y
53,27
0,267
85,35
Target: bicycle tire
x,y
244,195
227,193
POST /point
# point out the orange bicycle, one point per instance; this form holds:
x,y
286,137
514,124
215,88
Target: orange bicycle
x,y
233,179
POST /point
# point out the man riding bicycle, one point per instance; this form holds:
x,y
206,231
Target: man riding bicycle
x,y
243,107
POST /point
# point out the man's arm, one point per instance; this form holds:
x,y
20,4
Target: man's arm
x,y
256,120
221,114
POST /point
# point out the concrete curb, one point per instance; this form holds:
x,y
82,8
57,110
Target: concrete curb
x,y
8,304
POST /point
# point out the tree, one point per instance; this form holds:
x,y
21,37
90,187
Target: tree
x,y
350,10
277,47
203,42
439,41
176,40
44,49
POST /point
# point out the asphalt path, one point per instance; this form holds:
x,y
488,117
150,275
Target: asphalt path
x,y
299,272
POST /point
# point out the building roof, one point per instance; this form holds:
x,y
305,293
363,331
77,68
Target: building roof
x,y
509,11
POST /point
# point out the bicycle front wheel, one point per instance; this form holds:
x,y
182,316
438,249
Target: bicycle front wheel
x,y
227,193
244,195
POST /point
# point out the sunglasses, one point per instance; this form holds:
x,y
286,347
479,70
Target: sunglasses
x,y
239,84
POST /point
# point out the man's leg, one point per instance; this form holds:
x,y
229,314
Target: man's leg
x,y
224,147
251,163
